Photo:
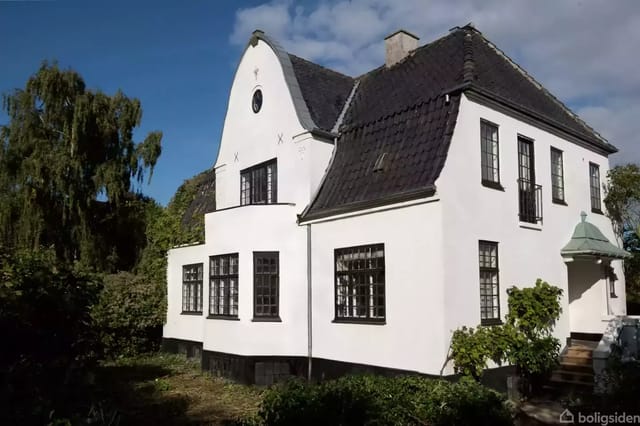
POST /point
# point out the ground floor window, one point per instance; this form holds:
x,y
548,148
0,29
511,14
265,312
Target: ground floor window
x,y
192,288
266,276
223,285
360,283
489,283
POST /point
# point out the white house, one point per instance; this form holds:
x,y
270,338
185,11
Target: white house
x,y
359,221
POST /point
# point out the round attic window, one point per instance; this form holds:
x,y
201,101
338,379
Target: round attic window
x,y
256,102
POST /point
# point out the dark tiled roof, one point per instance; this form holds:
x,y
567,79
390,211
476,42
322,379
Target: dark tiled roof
x,y
324,91
403,112
497,74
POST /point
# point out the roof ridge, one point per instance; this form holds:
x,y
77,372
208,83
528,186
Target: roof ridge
x,y
532,80
321,66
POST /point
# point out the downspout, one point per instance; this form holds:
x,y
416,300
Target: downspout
x,y
309,306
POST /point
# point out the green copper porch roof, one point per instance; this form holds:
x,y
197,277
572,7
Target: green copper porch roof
x,y
588,240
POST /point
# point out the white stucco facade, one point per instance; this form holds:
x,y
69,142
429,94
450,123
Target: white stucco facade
x,y
430,244
526,252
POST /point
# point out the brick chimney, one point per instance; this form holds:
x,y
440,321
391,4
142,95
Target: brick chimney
x,y
398,45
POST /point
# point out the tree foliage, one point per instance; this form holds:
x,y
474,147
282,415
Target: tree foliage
x,y
47,332
623,208
68,162
129,314
623,198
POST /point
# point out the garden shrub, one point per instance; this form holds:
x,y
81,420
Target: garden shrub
x,y
46,327
524,340
130,314
375,400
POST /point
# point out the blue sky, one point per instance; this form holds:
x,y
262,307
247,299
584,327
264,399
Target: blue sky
x,y
178,57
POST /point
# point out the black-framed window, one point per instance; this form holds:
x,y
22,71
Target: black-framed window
x,y
490,158
557,176
594,183
360,283
266,285
223,285
192,288
489,283
259,184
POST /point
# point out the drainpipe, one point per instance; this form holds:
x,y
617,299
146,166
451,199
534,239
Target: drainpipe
x,y
309,305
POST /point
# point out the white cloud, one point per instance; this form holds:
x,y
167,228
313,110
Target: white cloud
x,y
582,51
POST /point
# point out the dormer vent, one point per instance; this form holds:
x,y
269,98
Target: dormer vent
x,y
398,46
379,166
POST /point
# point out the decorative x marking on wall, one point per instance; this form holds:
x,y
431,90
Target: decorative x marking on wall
x,y
235,157
280,136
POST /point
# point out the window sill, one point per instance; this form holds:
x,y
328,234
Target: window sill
x,y
490,322
266,319
492,185
223,317
529,225
191,313
597,211
560,202
359,321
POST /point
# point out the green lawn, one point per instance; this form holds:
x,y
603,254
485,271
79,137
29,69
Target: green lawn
x,y
168,390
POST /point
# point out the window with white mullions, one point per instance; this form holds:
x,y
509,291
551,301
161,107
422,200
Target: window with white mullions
x,y
557,176
489,283
594,181
360,283
258,184
266,285
223,285
490,161
192,288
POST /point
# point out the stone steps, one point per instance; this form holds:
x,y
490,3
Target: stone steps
x,y
576,366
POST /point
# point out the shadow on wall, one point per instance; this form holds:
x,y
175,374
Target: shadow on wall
x,y
582,276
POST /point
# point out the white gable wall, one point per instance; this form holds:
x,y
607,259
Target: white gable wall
x,y
249,139
473,212
274,132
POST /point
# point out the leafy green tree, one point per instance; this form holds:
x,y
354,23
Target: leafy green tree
x,y
623,208
623,198
47,331
68,164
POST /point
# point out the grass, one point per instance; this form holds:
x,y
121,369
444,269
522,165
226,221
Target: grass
x,y
168,390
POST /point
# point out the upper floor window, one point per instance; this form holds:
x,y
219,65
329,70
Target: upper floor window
x,y
489,283
258,184
490,162
360,283
266,285
529,193
557,176
223,285
192,288
594,183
